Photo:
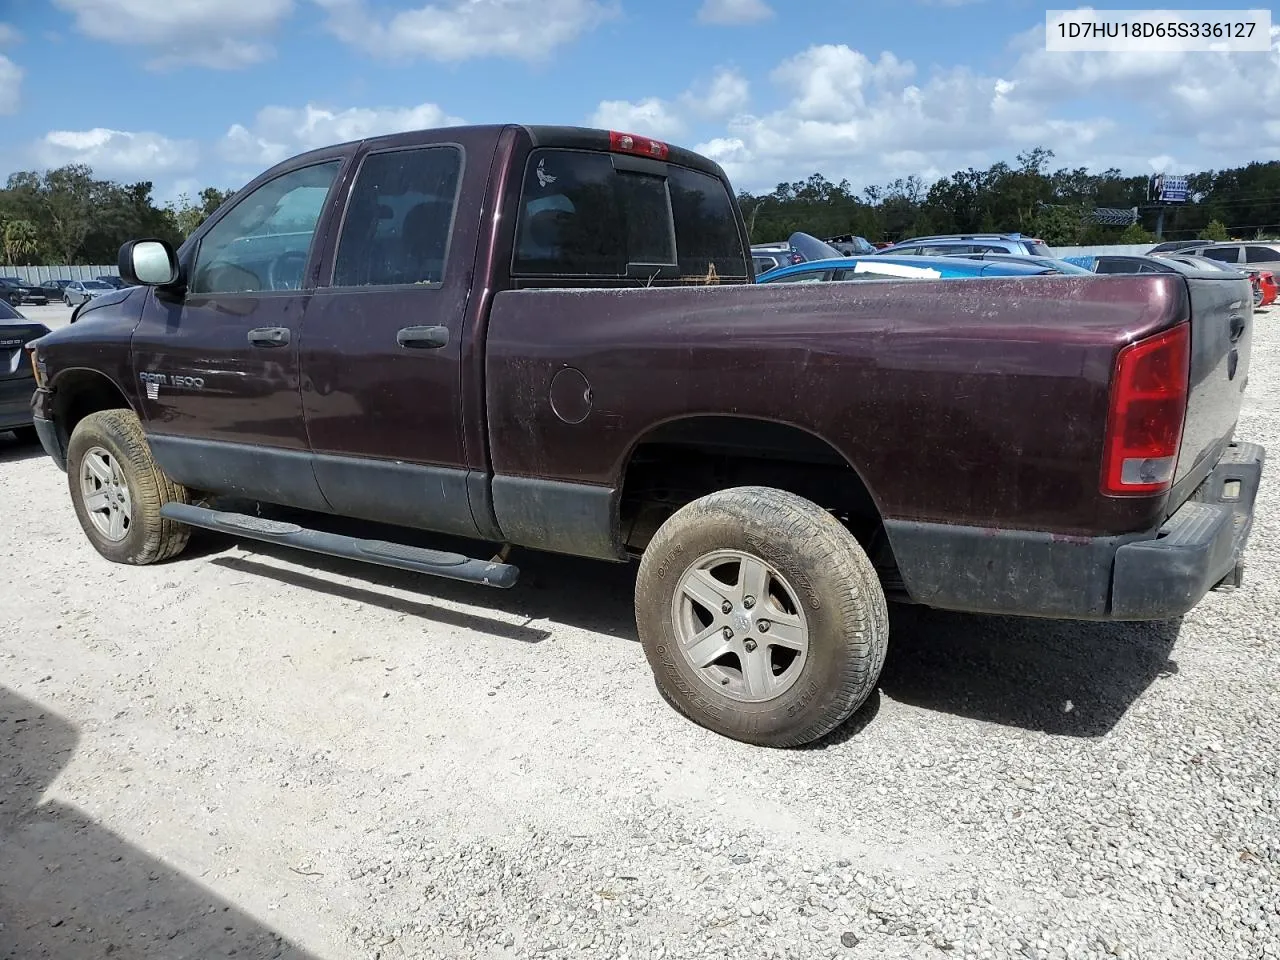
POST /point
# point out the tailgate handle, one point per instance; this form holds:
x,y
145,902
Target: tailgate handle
x,y
1237,327
423,338
269,336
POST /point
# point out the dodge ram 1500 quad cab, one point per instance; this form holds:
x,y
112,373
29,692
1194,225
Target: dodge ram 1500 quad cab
x,y
549,337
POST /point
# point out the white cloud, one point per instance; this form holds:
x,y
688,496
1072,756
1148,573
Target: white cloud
x,y
734,12
727,93
455,30
871,120
9,34
650,118
222,34
117,153
10,86
278,133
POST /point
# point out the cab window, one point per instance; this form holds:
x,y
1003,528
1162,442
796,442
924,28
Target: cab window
x,y
264,241
580,216
398,222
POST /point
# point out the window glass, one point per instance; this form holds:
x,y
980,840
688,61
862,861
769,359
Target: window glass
x,y
946,249
1115,265
1038,249
580,216
1261,254
570,222
706,227
398,222
264,240
1225,254
816,276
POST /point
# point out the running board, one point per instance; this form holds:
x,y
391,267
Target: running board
x,y
453,566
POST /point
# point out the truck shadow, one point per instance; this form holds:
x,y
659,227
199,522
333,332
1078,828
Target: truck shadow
x,y
13,450
70,889
1067,678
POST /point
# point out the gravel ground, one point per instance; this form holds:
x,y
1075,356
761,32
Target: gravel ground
x,y
245,752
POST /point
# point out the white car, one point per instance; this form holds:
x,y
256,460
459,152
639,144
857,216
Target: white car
x,y
78,291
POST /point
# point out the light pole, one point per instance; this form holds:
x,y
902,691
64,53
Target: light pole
x,y
751,226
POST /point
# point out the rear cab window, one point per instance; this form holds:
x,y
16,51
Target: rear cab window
x,y
582,215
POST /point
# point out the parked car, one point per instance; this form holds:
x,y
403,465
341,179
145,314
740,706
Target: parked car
x,y
1170,245
16,292
112,281
1253,255
606,381
1265,288
1053,264
53,288
1117,263
947,244
898,268
766,256
78,291
17,381
851,245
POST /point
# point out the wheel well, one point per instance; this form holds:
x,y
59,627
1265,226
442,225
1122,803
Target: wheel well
x,y
683,460
79,393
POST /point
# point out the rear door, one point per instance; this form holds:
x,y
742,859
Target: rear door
x,y
1227,254
1259,257
218,365
383,340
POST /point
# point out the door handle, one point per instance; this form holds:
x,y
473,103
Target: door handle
x,y
1237,327
269,336
423,338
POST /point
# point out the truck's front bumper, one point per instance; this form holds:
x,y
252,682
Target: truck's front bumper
x,y
1143,576
40,415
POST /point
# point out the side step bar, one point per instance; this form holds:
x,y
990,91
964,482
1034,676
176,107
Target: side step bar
x,y
454,566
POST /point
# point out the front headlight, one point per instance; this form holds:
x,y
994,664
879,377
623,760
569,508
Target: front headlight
x,y
38,369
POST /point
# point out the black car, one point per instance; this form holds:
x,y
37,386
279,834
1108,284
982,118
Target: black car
x,y
16,291
17,380
53,288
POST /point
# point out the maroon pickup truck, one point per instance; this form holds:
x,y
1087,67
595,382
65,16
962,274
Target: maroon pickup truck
x,y
550,338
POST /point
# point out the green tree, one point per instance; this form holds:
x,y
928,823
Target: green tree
x,y
1060,225
21,241
1136,233
1215,230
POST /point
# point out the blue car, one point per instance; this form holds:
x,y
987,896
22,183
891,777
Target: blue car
x,y
881,267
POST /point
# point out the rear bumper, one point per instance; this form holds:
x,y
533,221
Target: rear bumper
x,y
1156,575
15,402
1197,548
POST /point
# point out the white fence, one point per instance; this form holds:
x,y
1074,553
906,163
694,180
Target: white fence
x,y
40,274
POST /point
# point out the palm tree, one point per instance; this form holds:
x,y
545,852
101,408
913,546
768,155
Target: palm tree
x,y
20,240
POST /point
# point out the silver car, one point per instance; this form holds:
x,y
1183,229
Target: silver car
x,y
78,291
1255,255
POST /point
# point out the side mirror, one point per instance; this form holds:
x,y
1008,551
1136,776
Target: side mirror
x,y
151,263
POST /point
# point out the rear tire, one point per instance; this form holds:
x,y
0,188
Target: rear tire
x,y
780,669
117,490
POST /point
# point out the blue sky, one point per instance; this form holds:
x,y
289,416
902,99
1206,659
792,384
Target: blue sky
x,y
194,92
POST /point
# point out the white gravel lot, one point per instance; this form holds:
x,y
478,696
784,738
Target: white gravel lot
x,y
253,753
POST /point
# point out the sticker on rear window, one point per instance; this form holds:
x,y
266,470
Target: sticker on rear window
x,y
544,179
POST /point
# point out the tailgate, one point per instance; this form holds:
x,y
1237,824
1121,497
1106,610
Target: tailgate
x,y
1221,336
13,358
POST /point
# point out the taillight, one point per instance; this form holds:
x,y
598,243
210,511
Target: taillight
x,y
630,143
1148,407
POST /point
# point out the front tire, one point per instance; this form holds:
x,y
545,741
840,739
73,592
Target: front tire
x,y
117,490
761,616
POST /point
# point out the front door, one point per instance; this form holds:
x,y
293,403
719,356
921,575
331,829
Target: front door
x,y
382,343
218,365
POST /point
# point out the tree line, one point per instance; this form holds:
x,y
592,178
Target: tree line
x,y
1057,206
67,215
